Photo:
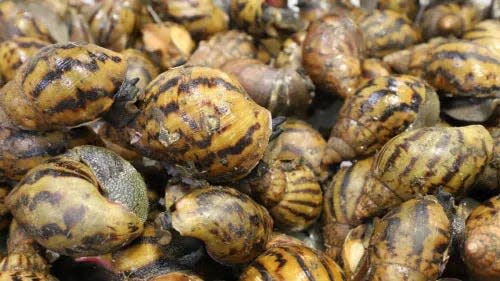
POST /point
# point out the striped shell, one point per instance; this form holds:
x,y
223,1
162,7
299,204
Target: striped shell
x,y
380,110
202,119
409,8
15,52
81,221
332,53
409,243
487,34
481,246
418,162
235,232
448,19
464,68
63,85
17,21
292,262
386,31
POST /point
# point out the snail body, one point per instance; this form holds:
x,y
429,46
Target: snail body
x,y
81,221
381,109
203,120
331,54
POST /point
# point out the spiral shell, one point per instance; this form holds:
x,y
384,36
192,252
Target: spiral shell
x,y
202,119
292,262
234,232
81,221
332,53
448,19
409,243
15,52
386,31
481,241
381,109
487,34
223,47
419,161
63,85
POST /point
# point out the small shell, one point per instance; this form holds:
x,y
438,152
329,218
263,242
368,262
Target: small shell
x,y
202,119
17,21
15,52
448,19
234,232
80,221
332,53
139,66
481,246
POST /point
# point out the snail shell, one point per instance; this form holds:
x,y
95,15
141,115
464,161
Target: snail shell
x,y
487,34
63,85
448,19
409,8
15,52
381,109
234,232
451,157
81,221
332,53
480,248
202,119
139,66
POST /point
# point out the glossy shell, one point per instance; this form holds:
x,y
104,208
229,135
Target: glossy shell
x,y
464,68
63,85
487,34
202,119
386,31
410,242
15,52
419,161
332,53
481,247
448,19
81,221
234,232
380,110
292,262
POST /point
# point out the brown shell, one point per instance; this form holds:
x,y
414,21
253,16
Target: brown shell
x,y
464,68
373,68
15,52
113,23
409,243
487,34
176,276
489,180
283,91
386,31
448,19
202,119
292,262
63,85
381,109
117,141
169,42
419,161
481,247
332,53
290,54
17,21
140,66
81,221
223,47
234,232
409,8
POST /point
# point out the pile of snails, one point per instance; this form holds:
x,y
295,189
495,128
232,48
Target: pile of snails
x,y
250,140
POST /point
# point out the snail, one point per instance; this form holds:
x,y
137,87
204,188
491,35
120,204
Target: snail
x,y
202,120
480,247
411,242
386,31
17,21
332,53
67,85
234,233
487,34
451,157
260,19
448,19
223,47
489,181
283,91
286,259
104,210
372,68
15,52
290,54
171,43
409,8
4,211
378,111
139,66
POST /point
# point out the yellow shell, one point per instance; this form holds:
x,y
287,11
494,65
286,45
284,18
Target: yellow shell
x,y
14,52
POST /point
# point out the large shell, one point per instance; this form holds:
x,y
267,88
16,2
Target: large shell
x,y
419,161
203,120
15,52
380,110
409,243
481,245
61,206
63,85
332,53
234,232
